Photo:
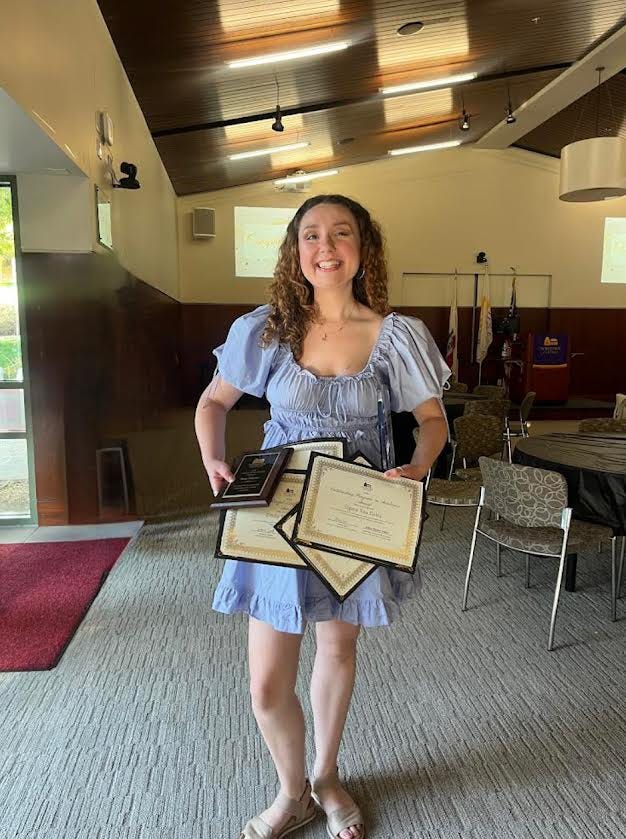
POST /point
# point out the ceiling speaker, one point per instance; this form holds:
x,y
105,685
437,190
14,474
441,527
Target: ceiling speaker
x,y
203,223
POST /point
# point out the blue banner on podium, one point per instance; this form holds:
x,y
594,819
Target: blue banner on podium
x,y
550,350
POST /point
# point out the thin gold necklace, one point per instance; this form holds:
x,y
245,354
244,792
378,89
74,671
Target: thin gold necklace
x,y
325,332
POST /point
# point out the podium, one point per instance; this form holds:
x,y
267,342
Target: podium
x,y
546,368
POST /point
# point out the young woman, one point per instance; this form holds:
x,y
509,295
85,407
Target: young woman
x,y
323,351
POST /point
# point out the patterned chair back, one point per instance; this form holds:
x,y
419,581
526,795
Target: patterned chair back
x,y
587,426
488,407
524,495
527,404
490,391
456,387
477,436
620,406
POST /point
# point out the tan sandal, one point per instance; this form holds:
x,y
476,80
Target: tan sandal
x,y
343,817
300,811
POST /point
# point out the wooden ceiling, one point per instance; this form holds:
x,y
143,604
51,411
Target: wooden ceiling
x,y
199,110
601,113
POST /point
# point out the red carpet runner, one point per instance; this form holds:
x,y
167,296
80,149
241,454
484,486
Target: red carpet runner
x,y
46,589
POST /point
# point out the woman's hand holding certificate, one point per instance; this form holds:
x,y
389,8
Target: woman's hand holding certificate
x,y
339,518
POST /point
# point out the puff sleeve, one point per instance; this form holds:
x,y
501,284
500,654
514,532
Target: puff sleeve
x,y
417,371
241,360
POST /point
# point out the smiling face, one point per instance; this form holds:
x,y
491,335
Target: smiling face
x,y
329,246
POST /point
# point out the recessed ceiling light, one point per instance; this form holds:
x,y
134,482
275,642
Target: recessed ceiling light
x,y
411,28
272,150
290,55
296,179
427,147
444,81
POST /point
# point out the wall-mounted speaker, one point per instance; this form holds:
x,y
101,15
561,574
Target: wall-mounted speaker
x,y
203,224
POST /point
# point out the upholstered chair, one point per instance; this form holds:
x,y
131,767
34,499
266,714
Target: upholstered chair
x,y
490,391
532,516
604,425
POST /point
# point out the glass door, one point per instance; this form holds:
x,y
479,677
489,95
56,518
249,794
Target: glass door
x,y
17,497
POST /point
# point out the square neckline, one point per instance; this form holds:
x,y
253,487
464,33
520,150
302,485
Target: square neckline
x,y
345,376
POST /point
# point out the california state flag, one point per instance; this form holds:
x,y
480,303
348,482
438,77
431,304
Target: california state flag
x,y
452,357
485,327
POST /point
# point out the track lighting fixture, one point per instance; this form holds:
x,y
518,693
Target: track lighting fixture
x,y
510,116
277,125
464,124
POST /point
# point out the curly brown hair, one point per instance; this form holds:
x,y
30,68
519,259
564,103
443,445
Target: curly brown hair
x,y
292,303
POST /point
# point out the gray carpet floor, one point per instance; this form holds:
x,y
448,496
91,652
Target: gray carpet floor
x,y
462,725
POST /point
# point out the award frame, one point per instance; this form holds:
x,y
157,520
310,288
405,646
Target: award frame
x,y
227,535
298,446
259,497
301,551
308,497
362,460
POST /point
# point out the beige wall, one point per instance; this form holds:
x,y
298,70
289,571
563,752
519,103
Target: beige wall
x,y
59,64
437,210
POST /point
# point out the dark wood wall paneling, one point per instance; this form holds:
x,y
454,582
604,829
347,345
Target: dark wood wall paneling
x,y
104,353
596,333
107,352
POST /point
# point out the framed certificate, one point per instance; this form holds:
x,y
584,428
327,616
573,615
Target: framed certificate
x,y
354,511
359,457
249,534
256,475
302,450
340,574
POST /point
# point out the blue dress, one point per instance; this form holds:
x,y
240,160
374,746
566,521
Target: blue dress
x,y
406,368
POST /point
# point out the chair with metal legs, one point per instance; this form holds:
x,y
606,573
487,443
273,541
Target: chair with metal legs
x,y
490,391
532,517
519,428
474,437
451,493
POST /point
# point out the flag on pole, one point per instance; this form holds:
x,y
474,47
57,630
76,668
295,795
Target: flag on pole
x,y
452,359
513,304
485,327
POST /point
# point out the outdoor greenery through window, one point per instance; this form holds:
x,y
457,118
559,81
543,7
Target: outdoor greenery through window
x,y
10,352
14,473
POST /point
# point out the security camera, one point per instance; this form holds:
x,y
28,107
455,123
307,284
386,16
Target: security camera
x,y
130,181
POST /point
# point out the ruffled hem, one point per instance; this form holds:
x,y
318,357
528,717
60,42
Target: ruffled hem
x,y
289,617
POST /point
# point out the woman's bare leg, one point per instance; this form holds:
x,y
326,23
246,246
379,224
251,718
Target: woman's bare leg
x,y
273,662
331,691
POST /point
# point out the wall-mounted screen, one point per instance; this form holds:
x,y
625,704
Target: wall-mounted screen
x,y
259,232
103,218
614,251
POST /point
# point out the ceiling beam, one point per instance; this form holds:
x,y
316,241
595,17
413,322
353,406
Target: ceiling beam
x,y
325,106
569,86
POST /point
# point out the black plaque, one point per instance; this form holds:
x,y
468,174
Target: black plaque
x,y
256,475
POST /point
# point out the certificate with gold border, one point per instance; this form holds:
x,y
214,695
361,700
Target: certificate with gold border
x,y
341,574
354,511
303,449
249,533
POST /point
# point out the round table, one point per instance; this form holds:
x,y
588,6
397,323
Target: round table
x,y
594,466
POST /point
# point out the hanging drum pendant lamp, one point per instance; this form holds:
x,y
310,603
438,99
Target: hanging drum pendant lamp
x,y
593,169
